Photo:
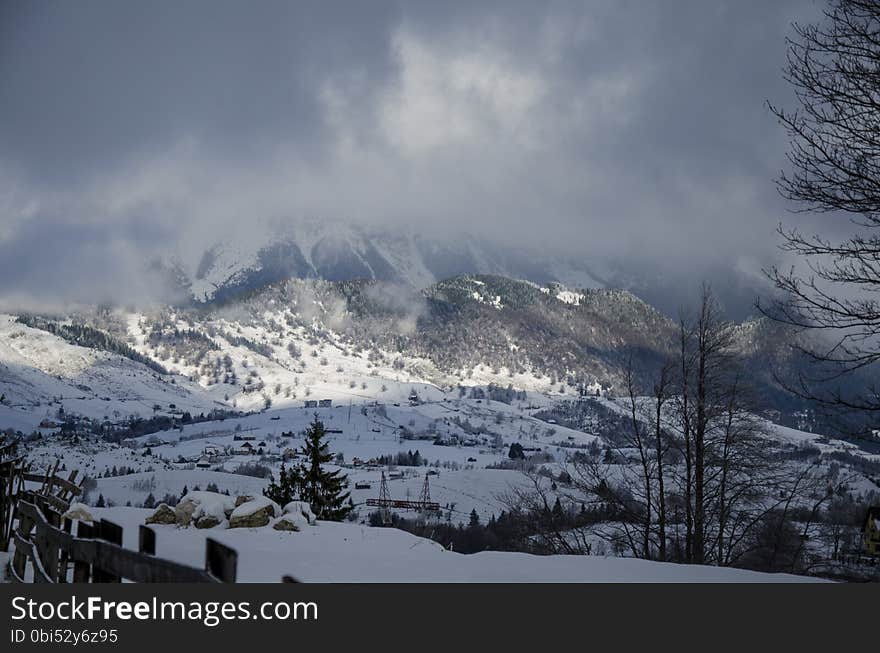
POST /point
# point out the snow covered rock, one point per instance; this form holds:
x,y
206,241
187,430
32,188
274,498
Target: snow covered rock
x,y
78,511
163,514
207,521
254,513
300,508
205,509
244,498
183,512
294,521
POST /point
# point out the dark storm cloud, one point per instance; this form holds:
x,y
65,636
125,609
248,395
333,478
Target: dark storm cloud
x,y
87,84
633,134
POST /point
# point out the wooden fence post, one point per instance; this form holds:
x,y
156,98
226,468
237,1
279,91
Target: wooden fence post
x,y
108,532
47,552
19,559
82,570
8,500
46,488
64,493
146,540
220,561
65,555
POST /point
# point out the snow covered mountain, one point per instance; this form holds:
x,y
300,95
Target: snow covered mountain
x,y
340,252
358,340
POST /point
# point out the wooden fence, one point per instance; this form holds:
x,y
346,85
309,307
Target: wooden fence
x,y
14,474
11,482
47,551
44,542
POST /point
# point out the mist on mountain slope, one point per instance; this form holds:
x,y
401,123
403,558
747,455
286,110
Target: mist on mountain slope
x,y
563,132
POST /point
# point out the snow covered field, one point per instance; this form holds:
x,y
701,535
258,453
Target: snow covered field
x,y
462,477
344,552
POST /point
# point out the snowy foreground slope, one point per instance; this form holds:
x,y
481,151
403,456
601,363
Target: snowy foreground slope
x,y
344,552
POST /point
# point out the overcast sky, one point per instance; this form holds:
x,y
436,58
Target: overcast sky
x,y
634,133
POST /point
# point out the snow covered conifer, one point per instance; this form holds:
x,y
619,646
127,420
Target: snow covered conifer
x,y
325,491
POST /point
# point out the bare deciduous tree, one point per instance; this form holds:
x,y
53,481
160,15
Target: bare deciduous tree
x,y
834,154
691,440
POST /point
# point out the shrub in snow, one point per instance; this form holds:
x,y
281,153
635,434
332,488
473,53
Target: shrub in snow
x,y
162,515
300,508
78,511
254,513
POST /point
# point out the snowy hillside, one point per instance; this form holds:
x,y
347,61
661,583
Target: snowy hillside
x,y
40,373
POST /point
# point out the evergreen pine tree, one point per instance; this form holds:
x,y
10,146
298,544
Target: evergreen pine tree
x,y
100,503
289,487
474,521
558,515
323,490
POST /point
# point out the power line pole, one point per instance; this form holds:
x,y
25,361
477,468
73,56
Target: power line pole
x,y
425,500
384,501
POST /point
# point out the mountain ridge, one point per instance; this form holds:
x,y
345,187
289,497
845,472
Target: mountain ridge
x,y
338,252
300,337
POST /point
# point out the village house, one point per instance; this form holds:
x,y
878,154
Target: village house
x,y
246,449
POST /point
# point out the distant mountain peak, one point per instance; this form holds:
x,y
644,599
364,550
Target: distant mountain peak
x,y
337,251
